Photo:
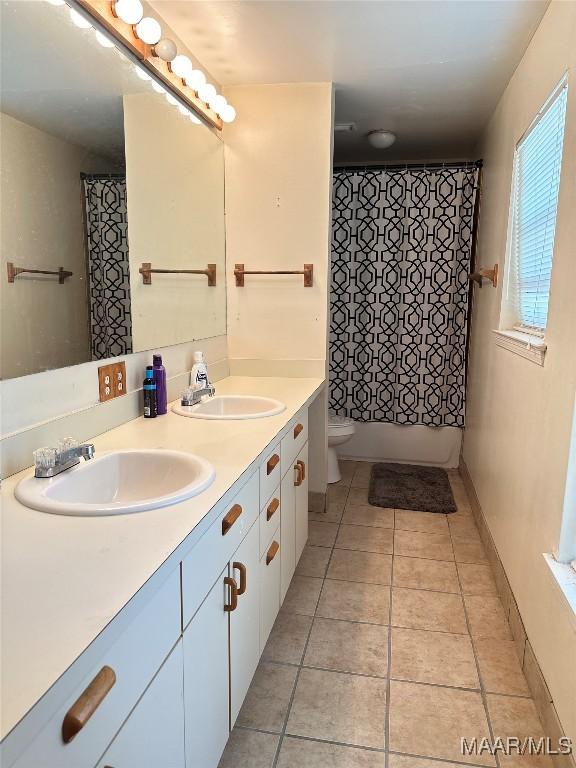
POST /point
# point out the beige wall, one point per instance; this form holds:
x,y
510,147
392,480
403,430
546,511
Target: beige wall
x,y
519,414
175,194
44,324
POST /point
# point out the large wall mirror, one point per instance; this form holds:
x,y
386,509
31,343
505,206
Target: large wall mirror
x,y
101,173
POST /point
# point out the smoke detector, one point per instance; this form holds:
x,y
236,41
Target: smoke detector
x,y
381,139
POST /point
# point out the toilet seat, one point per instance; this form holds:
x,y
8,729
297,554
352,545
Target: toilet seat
x,y
340,426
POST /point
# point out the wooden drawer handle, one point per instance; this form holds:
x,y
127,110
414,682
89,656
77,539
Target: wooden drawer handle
x,y
271,509
233,604
272,463
230,518
271,554
298,479
87,703
302,468
242,568
297,429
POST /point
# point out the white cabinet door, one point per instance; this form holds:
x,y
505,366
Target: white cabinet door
x,y
153,735
269,587
287,531
245,620
206,680
301,501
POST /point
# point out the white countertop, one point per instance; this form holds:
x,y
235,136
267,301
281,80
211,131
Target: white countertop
x,y
65,578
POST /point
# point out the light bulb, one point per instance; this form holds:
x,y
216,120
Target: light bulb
x,y
195,79
79,20
218,103
165,49
148,30
142,74
206,92
157,87
130,11
193,119
104,41
181,66
228,113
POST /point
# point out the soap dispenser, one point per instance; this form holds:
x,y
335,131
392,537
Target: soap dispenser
x,y
199,373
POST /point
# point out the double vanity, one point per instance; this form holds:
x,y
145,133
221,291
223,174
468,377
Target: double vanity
x,y
132,639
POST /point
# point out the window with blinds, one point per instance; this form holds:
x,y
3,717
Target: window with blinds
x,y
537,162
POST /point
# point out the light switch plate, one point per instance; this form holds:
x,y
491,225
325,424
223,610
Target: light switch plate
x,y
111,381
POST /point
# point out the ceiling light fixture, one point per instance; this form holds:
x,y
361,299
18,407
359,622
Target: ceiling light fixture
x,y
165,49
195,79
228,114
148,30
206,92
181,66
130,11
380,139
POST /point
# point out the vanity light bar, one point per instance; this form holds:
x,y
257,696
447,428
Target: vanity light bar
x,y
124,20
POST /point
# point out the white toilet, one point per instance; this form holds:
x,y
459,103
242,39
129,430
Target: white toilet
x,y
340,430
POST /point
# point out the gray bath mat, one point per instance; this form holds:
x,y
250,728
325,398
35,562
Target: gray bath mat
x,y
409,486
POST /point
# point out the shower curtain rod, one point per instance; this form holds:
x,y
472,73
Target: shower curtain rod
x,y
412,166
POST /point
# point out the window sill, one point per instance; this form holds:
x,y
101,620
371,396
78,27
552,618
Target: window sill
x,y
530,347
564,577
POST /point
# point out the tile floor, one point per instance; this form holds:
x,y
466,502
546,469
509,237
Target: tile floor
x,y
392,644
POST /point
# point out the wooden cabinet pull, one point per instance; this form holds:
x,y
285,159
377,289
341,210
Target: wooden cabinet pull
x,y
242,568
302,468
87,703
298,479
297,429
233,604
271,554
271,509
230,518
272,463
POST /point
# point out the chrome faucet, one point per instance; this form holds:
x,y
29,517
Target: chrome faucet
x,y
193,396
49,462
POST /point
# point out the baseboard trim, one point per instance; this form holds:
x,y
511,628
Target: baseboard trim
x,y
528,661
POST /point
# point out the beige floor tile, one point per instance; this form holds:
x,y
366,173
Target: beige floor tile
x,y
424,522
346,646
378,517
336,496
486,617
354,602
313,561
499,667
332,514
476,579
419,573
337,707
302,595
365,538
463,529
517,717
434,546
322,534
420,609
469,551
430,721
358,497
433,657
304,753
249,749
288,638
367,567
406,761
266,704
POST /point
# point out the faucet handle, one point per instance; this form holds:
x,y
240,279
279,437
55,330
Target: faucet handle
x,y
45,458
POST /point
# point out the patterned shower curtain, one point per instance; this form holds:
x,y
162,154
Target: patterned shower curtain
x,y
108,268
401,248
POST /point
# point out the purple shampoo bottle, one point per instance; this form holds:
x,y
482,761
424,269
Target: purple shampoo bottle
x,y
160,379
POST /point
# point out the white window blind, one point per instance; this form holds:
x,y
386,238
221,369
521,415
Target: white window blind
x,y
537,164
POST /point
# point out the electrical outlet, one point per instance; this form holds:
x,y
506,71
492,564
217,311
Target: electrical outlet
x,y
111,381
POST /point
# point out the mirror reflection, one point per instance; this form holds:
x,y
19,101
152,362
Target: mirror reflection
x,y
102,173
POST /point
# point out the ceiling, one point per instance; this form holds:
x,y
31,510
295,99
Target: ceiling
x,y
432,71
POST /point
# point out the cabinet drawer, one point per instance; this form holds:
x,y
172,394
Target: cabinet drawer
x,y
294,440
118,680
270,472
269,519
269,588
201,566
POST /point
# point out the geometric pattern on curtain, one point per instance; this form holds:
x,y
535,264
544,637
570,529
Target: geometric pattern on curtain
x,y
108,265
401,248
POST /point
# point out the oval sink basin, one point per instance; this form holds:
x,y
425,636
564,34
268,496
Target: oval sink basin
x,y
232,407
118,483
